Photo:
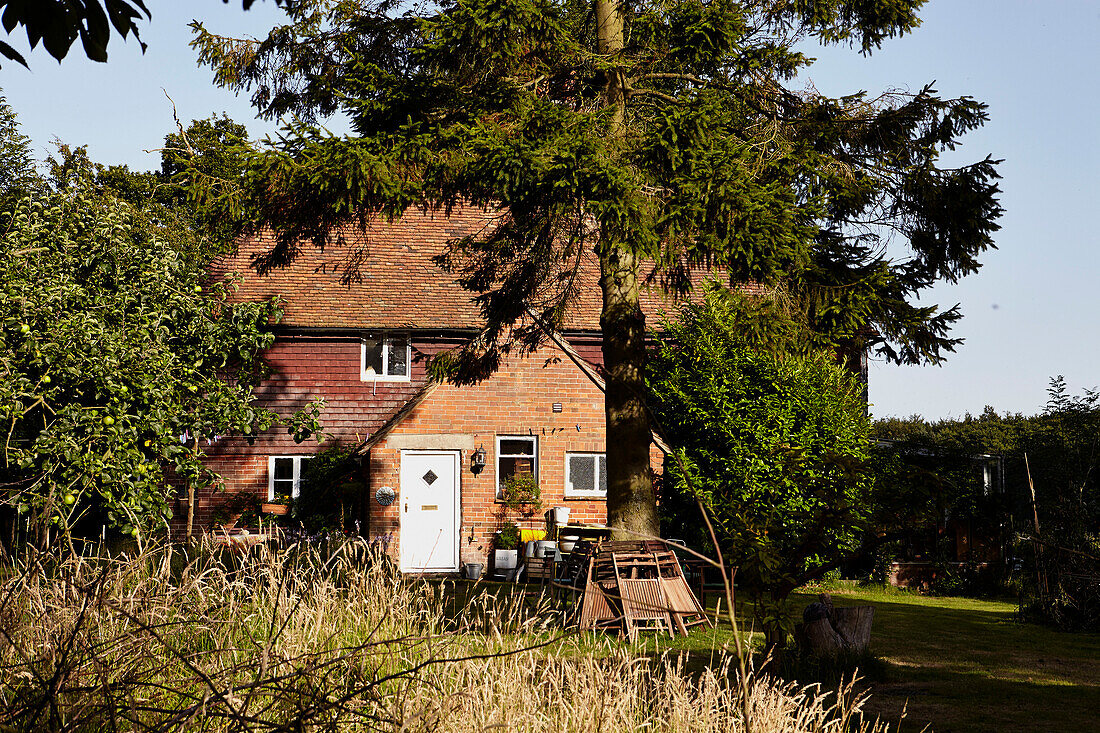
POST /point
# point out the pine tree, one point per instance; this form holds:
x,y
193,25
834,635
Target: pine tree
x,y
16,163
651,136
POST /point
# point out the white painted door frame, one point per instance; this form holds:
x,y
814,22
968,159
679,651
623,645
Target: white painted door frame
x,y
411,498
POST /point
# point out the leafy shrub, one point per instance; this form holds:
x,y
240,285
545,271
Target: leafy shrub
x,y
331,492
772,440
521,492
508,536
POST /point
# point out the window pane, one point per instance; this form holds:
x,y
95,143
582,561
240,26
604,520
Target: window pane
x,y
303,471
582,470
517,447
373,358
283,489
397,348
284,469
511,466
603,474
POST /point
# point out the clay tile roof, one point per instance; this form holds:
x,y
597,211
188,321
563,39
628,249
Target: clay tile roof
x,y
397,285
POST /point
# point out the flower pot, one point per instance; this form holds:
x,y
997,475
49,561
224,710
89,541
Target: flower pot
x,y
504,560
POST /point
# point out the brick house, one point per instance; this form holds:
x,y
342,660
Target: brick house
x,y
361,319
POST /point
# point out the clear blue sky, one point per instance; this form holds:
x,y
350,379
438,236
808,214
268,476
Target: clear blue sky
x,y
1029,314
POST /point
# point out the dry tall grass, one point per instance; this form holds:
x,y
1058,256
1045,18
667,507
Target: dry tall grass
x,y
294,641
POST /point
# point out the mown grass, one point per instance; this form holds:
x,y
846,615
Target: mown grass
x,y
957,664
965,664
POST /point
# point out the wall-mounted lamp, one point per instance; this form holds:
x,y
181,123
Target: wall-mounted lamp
x,y
477,460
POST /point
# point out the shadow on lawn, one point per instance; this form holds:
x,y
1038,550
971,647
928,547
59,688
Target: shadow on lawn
x,y
967,666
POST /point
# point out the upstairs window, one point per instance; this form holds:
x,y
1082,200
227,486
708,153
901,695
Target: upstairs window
x,y
386,357
284,477
585,476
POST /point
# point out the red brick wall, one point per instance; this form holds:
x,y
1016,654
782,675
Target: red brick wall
x,y
517,400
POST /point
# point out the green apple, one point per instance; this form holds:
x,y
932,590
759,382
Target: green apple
x,y
24,329
108,421
46,379
198,288
70,499
124,389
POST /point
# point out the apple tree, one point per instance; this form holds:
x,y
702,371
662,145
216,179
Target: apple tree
x,y
118,363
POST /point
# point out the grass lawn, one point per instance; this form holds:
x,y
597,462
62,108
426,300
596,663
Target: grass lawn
x,y
965,665
962,665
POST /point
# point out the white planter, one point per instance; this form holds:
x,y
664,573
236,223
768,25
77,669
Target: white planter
x,y
561,514
505,560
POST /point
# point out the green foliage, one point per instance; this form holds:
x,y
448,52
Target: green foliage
x,y
118,362
1059,449
16,164
521,493
507,537
772,442
57,25
208,150
331,491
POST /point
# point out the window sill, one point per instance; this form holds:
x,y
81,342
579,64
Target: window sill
x,y
370,378
586,497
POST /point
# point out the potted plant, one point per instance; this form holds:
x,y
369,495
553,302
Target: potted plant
x,y
506,548
520,492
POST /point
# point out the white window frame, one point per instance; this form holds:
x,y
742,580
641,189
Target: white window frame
x,y
386,338
533,439
570,492
296,475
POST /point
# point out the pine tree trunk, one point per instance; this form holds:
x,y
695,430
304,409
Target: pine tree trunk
x,y
631,501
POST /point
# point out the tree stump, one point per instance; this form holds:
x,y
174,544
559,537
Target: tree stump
x,y
853,625
826,631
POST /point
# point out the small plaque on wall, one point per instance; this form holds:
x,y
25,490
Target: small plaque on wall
x,y
385,496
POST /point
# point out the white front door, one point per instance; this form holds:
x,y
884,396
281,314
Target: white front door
x,y
429,511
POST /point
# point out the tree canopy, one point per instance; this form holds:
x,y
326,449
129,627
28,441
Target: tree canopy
x,y
1047,508
650,137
